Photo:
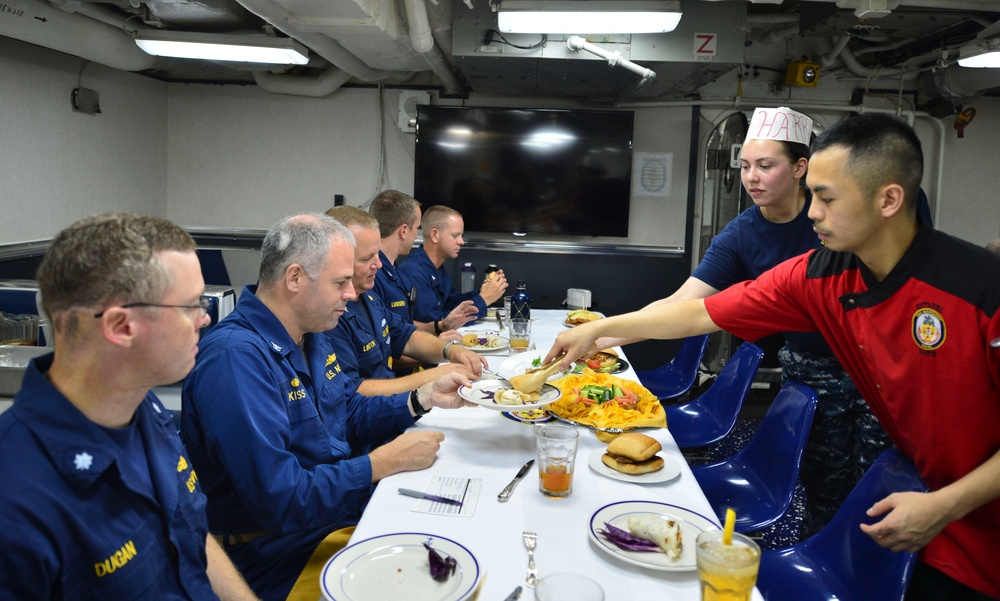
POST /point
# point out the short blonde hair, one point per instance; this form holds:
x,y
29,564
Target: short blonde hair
x,y
437,216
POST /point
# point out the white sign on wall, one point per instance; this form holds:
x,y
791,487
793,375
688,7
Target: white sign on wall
x,y
653,174
705,46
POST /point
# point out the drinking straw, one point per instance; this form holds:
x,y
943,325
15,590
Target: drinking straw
x,y
727,531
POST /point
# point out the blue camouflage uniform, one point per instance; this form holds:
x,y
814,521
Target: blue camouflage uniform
x,y
96,513
367,337
435,295
845,437
393,289
275,437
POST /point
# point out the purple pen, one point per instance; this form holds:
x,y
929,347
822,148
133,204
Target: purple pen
x,y
424,495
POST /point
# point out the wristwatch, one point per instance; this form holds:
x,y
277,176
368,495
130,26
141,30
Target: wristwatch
x,y
418,409
448,345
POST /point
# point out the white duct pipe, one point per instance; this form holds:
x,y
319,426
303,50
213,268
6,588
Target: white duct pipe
x,y
41,24
575,43
278,17
423,42
298,85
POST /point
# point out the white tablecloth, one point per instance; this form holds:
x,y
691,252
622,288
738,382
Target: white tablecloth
x,y
481,443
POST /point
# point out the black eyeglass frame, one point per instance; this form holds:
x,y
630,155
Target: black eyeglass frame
x,y
203,305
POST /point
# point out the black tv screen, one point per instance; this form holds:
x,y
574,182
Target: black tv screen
x,y
527,170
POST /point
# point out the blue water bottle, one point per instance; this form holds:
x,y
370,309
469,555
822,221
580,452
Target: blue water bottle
x,y
468,278
520,303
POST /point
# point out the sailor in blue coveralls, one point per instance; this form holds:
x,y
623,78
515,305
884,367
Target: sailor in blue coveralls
x,y
278,433
443,228
369,337
100,500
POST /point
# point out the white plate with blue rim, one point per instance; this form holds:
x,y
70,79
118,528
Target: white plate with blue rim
x,y
396,566
481,392
617,514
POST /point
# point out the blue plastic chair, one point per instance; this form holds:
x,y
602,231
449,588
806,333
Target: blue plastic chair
x,y
759,480
841,561
677,377
711,416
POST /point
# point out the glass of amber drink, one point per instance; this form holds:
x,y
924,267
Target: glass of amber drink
x,y
520,335
556,446
726,572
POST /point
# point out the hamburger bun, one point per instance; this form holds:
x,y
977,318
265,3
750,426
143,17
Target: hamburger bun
x,y
575,318
633,453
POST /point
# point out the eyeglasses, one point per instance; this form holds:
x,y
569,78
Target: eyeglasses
x,y
202,307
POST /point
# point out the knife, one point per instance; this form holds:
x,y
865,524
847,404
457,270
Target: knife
x,y
515,595
504,495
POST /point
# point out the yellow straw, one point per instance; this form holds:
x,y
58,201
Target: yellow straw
x,y
727,531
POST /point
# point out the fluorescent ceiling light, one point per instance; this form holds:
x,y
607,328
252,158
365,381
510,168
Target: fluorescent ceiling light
x,y
982,53
588,16
222,47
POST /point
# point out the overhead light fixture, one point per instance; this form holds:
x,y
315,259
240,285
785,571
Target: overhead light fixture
x,y
982,53
588,16
222,47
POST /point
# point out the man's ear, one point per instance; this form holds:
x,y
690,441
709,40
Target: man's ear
x,y
295,277
401,231
435,235
117,327
892,199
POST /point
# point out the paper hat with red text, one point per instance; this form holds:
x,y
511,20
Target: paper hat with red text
x,y
782,124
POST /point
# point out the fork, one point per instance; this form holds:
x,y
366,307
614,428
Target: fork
x,y
530,538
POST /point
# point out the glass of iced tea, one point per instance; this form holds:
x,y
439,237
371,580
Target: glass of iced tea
x,y
520,335
726,572
556,446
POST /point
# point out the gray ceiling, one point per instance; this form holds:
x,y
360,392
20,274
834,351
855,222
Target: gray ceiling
x,y
913,43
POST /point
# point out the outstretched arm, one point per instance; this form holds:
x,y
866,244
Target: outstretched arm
x,y
692,288
664,321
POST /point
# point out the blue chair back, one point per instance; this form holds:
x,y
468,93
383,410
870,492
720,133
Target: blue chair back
x,y
759,480
711,416
676,377
841,561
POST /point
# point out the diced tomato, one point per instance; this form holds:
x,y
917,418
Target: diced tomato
x,y
593,364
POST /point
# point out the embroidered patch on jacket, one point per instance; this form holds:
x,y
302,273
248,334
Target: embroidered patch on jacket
x,y
330,360
928,329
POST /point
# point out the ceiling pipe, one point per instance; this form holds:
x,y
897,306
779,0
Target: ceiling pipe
x,y
298,85
76,35
340,57
423,42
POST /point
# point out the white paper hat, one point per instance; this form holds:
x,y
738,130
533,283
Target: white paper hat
x,y
782,124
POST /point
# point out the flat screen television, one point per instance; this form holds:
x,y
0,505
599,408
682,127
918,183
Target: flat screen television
x,y
527,170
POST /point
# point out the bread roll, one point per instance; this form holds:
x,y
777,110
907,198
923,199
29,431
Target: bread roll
x,y
634,446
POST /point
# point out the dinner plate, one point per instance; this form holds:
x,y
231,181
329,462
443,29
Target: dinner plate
x,y
481,393
518,364
531,416
670,470
504,343
622,366
617,514
395,566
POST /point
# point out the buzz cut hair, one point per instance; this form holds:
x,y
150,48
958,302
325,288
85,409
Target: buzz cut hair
x,y
392,209
883,150
437,217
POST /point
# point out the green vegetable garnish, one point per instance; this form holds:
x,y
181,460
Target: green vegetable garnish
x,y
536,362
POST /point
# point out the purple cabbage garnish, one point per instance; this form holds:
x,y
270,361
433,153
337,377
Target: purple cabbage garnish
x,y
441,568
627,540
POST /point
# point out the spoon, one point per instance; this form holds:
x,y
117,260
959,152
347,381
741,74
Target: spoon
x,y
533,380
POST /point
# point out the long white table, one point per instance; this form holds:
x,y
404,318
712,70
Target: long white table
x,y
481,443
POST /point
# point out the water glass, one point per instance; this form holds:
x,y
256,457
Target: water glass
x,y
726,572
506,309
568,587
556,447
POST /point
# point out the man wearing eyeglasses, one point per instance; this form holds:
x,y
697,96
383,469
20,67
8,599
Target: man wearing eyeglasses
x,y
99,496
287,449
